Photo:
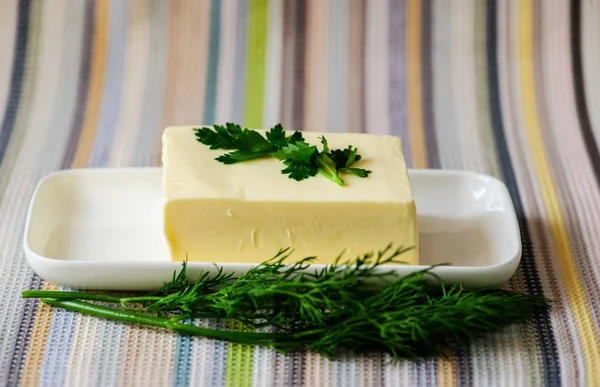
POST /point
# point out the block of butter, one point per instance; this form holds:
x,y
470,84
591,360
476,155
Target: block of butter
x,y
247,212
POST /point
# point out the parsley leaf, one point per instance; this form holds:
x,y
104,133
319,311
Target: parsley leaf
x,y
250,144
239,156
299,151
325,145
344,158
294,138
276,136
222,137
252,141
300,170
298,158
357,171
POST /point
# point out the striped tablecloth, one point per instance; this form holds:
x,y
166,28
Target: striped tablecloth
x,y
502,87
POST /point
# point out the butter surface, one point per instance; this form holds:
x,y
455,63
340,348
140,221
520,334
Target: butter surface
x,y
247,212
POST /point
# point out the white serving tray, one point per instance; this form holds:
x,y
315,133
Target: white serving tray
x,y
102,229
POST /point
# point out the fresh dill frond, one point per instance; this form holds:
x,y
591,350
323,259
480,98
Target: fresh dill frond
x,y
322,310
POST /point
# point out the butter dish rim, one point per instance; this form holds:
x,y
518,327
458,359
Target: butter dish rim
x,y
151,274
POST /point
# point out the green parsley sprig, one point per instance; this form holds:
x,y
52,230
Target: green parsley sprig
x,y
301,159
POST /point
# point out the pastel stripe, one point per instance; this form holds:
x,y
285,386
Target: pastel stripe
x,y
377,68
427,370
135,73
241,55
356,66
298,56
183,352
55,66
17,75
60,334
265,372
590,347
227,44
589,216
9,20
504,123
153,103
212,74
35,355
463,68
288,72
315,90
470,358
336,98
489,159
83,81
200,364
111,98
273,65
576,164
590,58
591,143
443,101
427,26
97,74
186,71
255,63
23,337
414,84
398,75
493,353
21,91
509,351
23,105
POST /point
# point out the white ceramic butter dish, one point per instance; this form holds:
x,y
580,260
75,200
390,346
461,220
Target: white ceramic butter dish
x,y
102,229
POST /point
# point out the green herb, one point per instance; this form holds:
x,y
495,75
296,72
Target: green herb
x,y
353,305
302,160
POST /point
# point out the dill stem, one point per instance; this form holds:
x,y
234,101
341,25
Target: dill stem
x,y
140,299
114,314
194,315
62,295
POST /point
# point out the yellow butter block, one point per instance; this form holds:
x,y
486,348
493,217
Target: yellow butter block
x,y
247,212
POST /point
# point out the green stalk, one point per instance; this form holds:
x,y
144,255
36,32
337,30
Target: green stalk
x,y
119,315
328,172
333,176
61,295
194,315
133,300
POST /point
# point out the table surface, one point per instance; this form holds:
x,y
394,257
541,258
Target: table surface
x,y
506,88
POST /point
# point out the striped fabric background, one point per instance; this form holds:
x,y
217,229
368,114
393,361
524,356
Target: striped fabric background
x,y
509,88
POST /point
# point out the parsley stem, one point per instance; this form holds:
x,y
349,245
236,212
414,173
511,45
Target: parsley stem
x,y
326,170
331,177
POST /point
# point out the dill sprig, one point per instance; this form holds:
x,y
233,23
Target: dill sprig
x,y
354,305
